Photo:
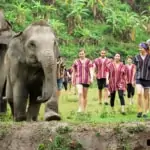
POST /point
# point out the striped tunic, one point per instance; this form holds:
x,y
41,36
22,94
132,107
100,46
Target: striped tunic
x,y
82,71
100,65
130,73
117,77
142,67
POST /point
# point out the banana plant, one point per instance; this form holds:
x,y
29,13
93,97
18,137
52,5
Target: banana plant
x,y
93,4
78,10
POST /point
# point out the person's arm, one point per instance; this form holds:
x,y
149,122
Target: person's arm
x,y
73,73
68,74
73,76
133,76
107,75
92,74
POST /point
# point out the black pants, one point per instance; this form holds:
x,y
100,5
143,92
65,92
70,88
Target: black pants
x,y
65,83
121,97
130,90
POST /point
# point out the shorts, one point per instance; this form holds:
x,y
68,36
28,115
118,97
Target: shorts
x,y
85,85
144,83
101,83
59,84
80,87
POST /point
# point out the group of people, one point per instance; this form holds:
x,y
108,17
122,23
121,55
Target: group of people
x,y
113,76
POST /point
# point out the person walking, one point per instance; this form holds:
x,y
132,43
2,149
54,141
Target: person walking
x,y
60,75
116,80
142,62
130,67
82,76
100,64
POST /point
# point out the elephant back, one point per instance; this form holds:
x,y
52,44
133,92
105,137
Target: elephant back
x,y
6,31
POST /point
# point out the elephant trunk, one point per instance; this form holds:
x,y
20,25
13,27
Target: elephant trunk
x,y
48,63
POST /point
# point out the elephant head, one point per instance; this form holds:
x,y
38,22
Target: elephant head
x,y
5,29
36,46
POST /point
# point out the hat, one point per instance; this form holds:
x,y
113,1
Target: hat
x,y
144,45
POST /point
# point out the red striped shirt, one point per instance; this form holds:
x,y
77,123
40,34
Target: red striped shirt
x,y
82,71
100,65
130,73
117,77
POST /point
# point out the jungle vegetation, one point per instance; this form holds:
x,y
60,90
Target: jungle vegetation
x,y
117,25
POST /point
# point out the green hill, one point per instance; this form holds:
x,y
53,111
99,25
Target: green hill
x,y
118,25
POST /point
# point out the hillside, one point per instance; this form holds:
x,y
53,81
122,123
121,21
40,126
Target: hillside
x,y
118,25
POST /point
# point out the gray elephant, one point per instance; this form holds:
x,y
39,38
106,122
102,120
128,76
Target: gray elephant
x,y
6,34
30,65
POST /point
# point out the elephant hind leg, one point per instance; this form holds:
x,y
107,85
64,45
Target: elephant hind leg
x,y
33,108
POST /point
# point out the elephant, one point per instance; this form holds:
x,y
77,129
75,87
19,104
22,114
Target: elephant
x,y
6,34
30,66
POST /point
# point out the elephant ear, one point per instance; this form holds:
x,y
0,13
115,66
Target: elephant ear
x,y
16,47
56,49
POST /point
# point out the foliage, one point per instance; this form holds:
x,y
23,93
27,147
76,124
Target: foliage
x,y
92,24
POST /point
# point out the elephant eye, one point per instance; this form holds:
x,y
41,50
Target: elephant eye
x,y
32,44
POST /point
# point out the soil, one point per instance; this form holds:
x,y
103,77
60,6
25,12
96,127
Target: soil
x,y
67,136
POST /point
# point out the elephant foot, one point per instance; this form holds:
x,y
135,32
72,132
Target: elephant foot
x,y
49,116
21,118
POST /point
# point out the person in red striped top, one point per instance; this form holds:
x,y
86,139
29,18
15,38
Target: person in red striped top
x,y
100,70
82,76
131,69
116,80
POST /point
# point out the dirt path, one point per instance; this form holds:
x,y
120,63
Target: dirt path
x,y
65,136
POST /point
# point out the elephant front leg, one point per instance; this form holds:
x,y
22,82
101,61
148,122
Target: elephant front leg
x,y
19,101
51,108
9,95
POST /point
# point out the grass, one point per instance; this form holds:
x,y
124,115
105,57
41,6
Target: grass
x,y
68,106
95,114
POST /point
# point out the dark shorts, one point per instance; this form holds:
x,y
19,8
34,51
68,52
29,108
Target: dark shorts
x,y
101,83
85,85
59,84
144,83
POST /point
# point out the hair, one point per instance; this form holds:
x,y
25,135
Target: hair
x,y
82,50
103,50
129,57
118,54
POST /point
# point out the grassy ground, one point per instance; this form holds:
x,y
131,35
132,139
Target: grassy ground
x,y
68,106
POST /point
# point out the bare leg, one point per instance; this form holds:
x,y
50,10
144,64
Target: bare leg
x,y
146,102
139,97
58,93
85,91
100,96
106,95
80,97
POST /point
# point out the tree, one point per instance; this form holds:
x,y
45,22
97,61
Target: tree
x,y
78,11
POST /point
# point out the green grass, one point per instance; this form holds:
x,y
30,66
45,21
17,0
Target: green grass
x,y
95,113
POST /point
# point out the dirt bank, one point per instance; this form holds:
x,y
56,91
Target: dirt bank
x,y
65,136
